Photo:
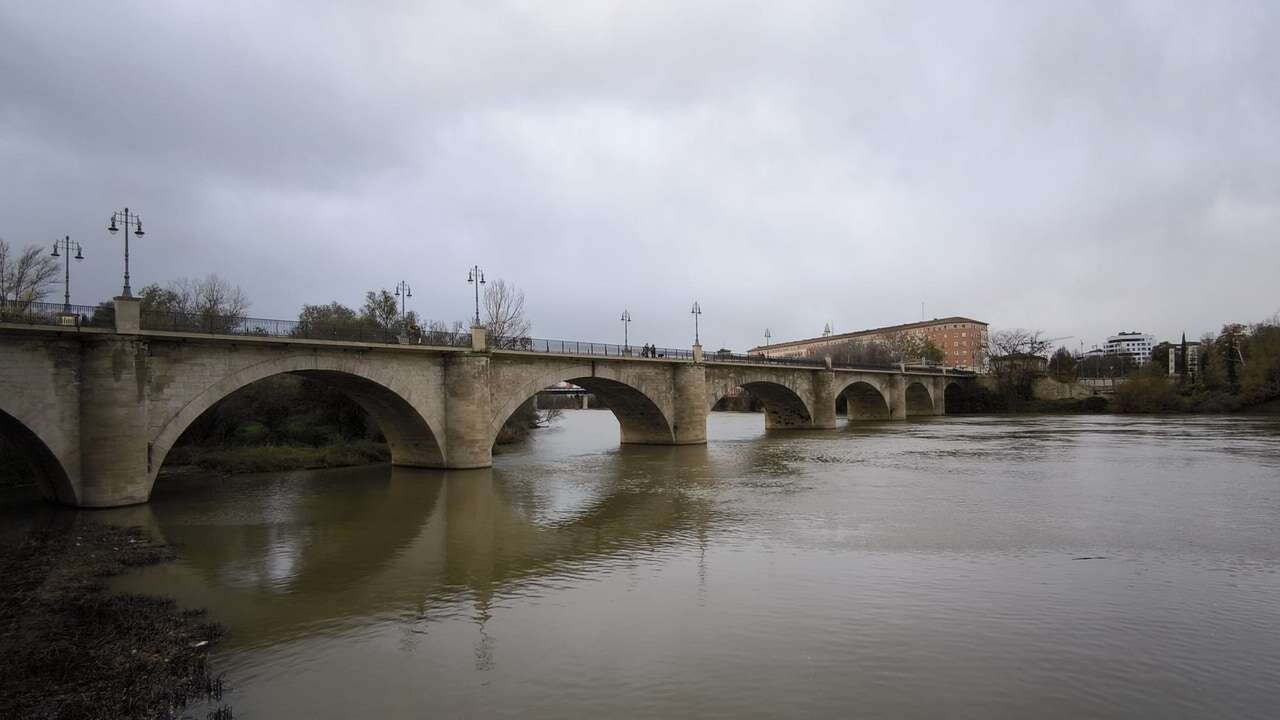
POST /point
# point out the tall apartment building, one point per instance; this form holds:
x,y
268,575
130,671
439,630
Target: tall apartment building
x,y
1132,346
962,340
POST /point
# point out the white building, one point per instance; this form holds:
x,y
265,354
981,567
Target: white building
x,y
1132,346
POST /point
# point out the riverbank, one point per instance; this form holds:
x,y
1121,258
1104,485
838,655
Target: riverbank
x,y
69,648
272,458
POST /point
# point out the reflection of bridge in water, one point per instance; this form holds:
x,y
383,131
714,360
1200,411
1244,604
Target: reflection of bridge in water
x,y
98,408
277,562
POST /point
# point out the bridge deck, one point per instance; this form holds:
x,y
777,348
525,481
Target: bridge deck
x,y
604,352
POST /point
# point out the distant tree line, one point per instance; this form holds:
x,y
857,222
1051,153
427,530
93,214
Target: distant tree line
x,y
1237,369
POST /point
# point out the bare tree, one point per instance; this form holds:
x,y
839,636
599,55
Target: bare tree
x,y
25,277
382,309
210,304
440,334
1016,341
214,297
904,346
861,352
506,323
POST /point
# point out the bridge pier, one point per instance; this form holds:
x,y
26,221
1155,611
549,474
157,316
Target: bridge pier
x,y
689,425
467,404
115,462
824,400
898,398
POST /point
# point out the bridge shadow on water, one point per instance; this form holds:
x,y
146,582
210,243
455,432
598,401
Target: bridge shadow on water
x,y
285,555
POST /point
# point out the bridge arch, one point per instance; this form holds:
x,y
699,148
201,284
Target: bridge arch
x,y
641,419
919,399
865,401
955,397
784,406
383,393
51,477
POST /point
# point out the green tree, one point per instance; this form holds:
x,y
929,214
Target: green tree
x,y
1063,366
931,353
381,309
334,320
1160,357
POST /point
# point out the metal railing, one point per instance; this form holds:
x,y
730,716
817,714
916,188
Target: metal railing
x,y
57,314
579,347
732,357
103,316
352,331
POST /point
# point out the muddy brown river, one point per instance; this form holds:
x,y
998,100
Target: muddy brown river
x,y
961,567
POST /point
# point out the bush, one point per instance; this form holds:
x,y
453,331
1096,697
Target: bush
x,y
975,399
308,430
272,458
1148,392
253,433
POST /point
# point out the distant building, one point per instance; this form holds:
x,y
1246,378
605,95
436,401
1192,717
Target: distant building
x,y
962,340
1134,347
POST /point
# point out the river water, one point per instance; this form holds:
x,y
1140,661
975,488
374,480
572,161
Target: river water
x,y
1049,567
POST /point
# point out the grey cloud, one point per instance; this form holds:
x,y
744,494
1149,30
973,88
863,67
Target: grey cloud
x,y
1076,167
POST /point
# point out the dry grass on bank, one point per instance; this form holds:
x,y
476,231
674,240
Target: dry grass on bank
x,y
69,648
272,458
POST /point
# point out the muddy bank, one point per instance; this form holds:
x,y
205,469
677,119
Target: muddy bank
x,y
69,648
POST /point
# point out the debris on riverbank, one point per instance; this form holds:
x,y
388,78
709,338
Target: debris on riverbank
x,y
70,648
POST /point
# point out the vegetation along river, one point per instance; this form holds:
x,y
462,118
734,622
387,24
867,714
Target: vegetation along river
x,y
1053,567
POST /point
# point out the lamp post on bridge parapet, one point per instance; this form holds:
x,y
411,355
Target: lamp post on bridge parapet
x,y
626,341
65,245
475,276
404,292
696,311
126,217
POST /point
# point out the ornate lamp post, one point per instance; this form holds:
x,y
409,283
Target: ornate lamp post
x,y
475,276
696,311
767,336
125,217
404,292
65,246
626,321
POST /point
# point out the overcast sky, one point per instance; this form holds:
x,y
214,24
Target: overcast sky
x,y
1076,167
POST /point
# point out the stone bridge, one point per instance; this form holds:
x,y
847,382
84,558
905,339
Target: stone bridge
x,y
98,409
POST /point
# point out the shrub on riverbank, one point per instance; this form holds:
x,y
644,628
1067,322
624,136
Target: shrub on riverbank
x,y
271,458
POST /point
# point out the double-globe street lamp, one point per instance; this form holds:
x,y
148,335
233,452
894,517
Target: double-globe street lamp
x,y
404,292
125,217
65,246
475,276
626,321
696,311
